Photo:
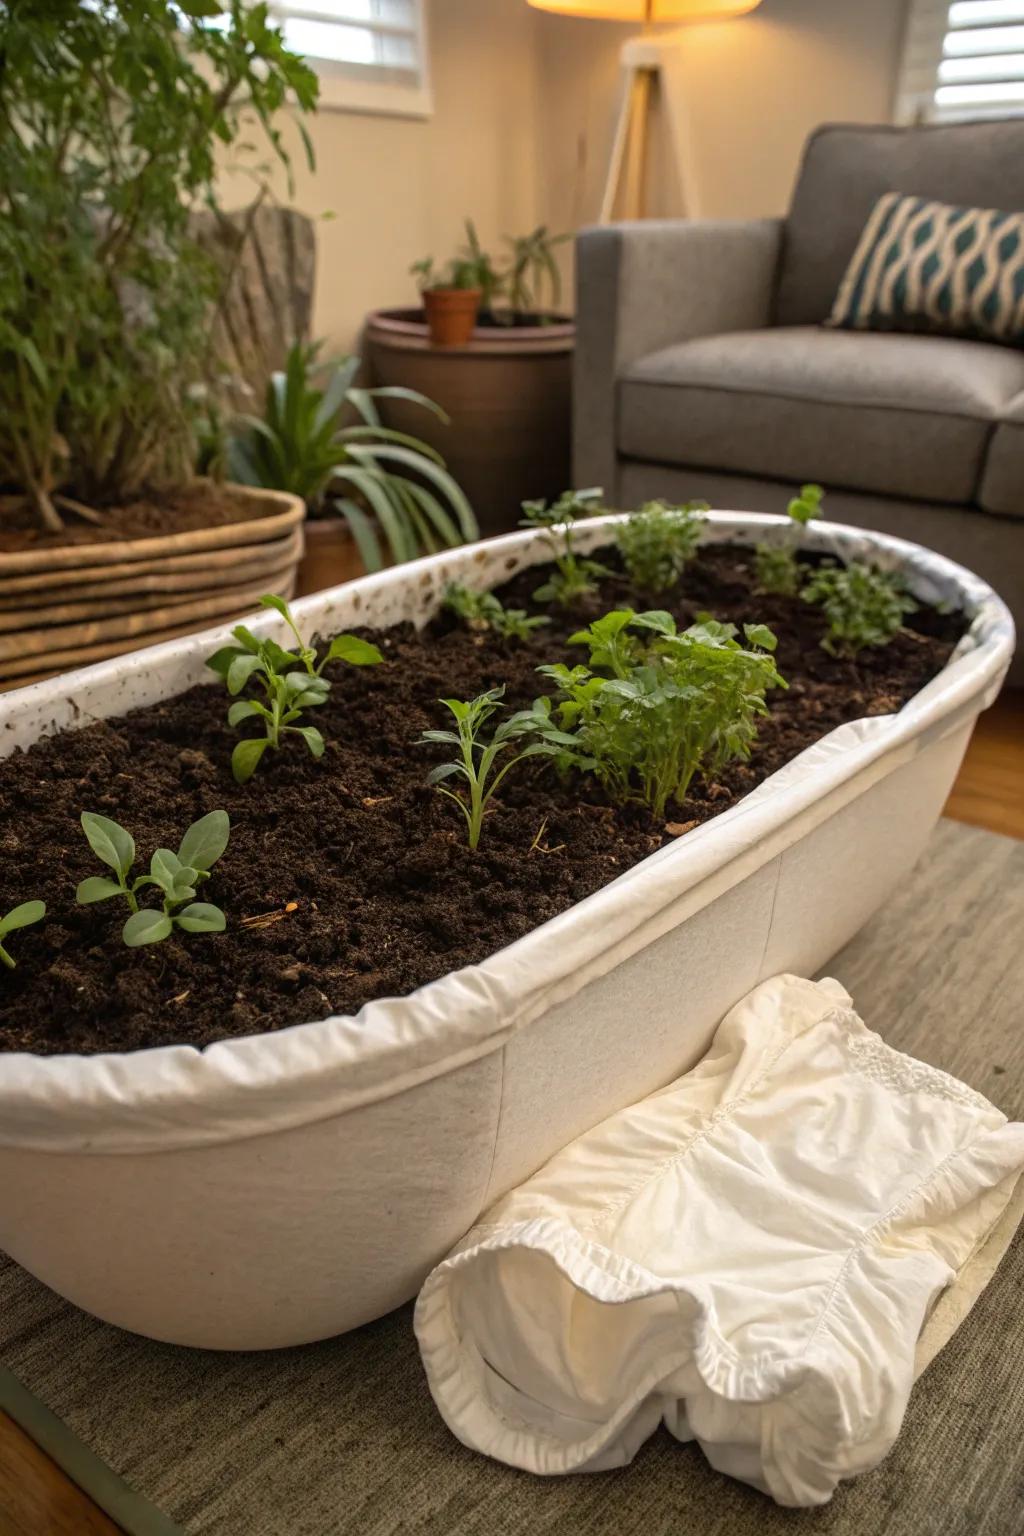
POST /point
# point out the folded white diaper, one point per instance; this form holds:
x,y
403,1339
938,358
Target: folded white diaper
x,y
749,1255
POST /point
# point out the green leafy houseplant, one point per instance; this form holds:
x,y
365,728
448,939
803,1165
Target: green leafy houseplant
x,y
574,576
657,542
676,706
292,682
777,566
532,264
176,875
382,482
520,281
21,916
111,120
476,756
865,607
482,611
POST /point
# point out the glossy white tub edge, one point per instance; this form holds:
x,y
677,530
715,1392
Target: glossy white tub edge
x,y
280,1189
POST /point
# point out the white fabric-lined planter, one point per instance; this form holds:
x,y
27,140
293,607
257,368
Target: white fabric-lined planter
x,y
284,1187
749,1255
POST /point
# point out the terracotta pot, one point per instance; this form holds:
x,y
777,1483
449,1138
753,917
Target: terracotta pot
x,y
63,606
331,556
451,314
508,393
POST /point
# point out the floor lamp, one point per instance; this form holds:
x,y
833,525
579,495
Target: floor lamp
x,y
648,64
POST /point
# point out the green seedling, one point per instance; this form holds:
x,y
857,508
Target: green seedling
x,y
476,756
22,916
574,576
482,611
292,682
176,875
865,607
658,541
777,567
677,705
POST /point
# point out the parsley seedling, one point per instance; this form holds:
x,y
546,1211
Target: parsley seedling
x,y
658,541
22,916
177,875
477,757
777,567
676,705
864,606
292,681
482,611
574,576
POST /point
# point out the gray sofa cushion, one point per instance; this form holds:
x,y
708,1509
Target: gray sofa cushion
x,y
1002,484
846,168
902,415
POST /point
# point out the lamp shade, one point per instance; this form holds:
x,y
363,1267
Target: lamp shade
x,y
648,10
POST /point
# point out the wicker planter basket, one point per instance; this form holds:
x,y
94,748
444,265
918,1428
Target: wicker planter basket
x,y
66,606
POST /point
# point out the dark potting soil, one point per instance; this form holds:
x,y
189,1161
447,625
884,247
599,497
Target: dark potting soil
x,y
202,505
350,878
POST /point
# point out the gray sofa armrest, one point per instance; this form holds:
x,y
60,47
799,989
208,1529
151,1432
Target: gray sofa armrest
x,y
640,287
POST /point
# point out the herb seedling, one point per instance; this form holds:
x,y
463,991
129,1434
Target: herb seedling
x,y
574,576
777,566
22,916
477,757
482,611
177,875
292,681
658,541
863,605
676,706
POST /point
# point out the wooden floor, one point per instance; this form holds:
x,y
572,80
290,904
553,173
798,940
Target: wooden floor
x,y
38,1500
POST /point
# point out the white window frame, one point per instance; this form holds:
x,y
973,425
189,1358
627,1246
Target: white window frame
x,y
353,87
929,23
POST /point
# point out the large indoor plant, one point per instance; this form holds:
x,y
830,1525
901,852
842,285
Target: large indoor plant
x,y
507,388
114,117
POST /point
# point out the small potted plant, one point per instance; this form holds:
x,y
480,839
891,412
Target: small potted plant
x,y
451,300
505,383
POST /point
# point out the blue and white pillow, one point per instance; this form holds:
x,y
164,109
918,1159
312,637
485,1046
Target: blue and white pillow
x,y
927,266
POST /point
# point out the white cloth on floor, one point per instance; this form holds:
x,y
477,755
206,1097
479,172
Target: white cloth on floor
x,y
749,1255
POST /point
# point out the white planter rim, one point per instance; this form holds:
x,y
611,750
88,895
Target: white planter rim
x,y
178,1096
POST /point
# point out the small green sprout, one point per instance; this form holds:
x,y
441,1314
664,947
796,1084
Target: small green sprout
x,y
177,875
482,611
677,705
778,569
863,605
658,541
22,916
476,757
574,577
292,681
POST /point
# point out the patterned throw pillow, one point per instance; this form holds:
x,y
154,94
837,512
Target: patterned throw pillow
x,y
924,266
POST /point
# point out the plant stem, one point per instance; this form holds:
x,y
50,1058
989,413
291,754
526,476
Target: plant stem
x,y
6,959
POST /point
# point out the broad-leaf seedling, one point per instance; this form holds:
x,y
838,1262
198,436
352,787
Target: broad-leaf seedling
x,y
476,756
481,611
177,875
778,569
22,916
676,705
292,681
574,576
658,541
864,606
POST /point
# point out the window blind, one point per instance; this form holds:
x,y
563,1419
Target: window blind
x,y
961,60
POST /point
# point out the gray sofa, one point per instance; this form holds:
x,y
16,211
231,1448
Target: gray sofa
x,y
703,368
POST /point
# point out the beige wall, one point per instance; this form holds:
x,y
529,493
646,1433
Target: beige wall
x,y
755,87
524,109
399,187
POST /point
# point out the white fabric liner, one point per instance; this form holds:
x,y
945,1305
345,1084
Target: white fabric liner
x,y
749,1255
178,1097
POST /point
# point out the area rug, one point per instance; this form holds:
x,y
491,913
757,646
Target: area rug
x,y
341,1438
